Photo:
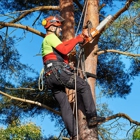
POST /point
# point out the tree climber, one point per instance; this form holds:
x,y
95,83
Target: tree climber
x,y
59,75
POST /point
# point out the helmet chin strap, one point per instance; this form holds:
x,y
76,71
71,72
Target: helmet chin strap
x,y
53,31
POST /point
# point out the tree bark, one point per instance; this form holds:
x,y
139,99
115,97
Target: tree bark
x,y
67,12
66,8
92,14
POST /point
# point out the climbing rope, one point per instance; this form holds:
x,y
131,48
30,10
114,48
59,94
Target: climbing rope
x,y
76,104
41,80
85,5
81,56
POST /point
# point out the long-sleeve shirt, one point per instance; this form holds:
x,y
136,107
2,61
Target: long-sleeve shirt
x,y
54,49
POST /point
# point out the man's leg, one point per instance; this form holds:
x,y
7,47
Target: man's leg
x,y
67,114
84,90
67,78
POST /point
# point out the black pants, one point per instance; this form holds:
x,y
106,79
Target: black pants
x,y
64,78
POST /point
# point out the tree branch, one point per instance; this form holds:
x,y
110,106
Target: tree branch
x,y
20,88
118,14
115,51
123,9
27,12
121,115
27,28
101,135
78,4
31,102
11,23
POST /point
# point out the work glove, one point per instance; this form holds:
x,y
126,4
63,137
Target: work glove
x,y
82,37
85,33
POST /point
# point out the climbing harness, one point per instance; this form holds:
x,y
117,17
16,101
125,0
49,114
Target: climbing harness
x,y
44,74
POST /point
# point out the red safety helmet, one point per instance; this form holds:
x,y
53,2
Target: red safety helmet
x,y
52,20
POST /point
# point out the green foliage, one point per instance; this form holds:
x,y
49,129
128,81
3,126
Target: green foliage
x,y
21,132
136,134
115,76
10,65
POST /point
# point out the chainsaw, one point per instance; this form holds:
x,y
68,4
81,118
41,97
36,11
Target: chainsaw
x,y
93,32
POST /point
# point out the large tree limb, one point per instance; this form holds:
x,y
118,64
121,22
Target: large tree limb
x,y
123,9
127,5
118,116
30,101
122,115
11,23
115,51
27,28
27,12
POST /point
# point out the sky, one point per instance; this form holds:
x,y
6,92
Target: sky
x,y
29,50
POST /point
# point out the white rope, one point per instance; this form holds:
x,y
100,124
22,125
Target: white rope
x,y
81,51
81,17
76,105
76,110
40,80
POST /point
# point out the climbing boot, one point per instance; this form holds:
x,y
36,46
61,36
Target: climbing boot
x,y
93,121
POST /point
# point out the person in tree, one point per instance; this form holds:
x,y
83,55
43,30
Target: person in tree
x,y
59,75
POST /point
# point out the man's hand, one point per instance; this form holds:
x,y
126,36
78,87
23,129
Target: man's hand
x,y
85,33
71,64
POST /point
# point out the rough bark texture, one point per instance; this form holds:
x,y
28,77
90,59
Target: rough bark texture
x,y
66,8
90,66
67,12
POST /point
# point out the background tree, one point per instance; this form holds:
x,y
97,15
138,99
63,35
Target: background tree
x,y
16,131
136,134
113,79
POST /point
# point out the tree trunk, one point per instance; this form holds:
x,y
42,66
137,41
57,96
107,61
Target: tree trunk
x,y
90,66
67,13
